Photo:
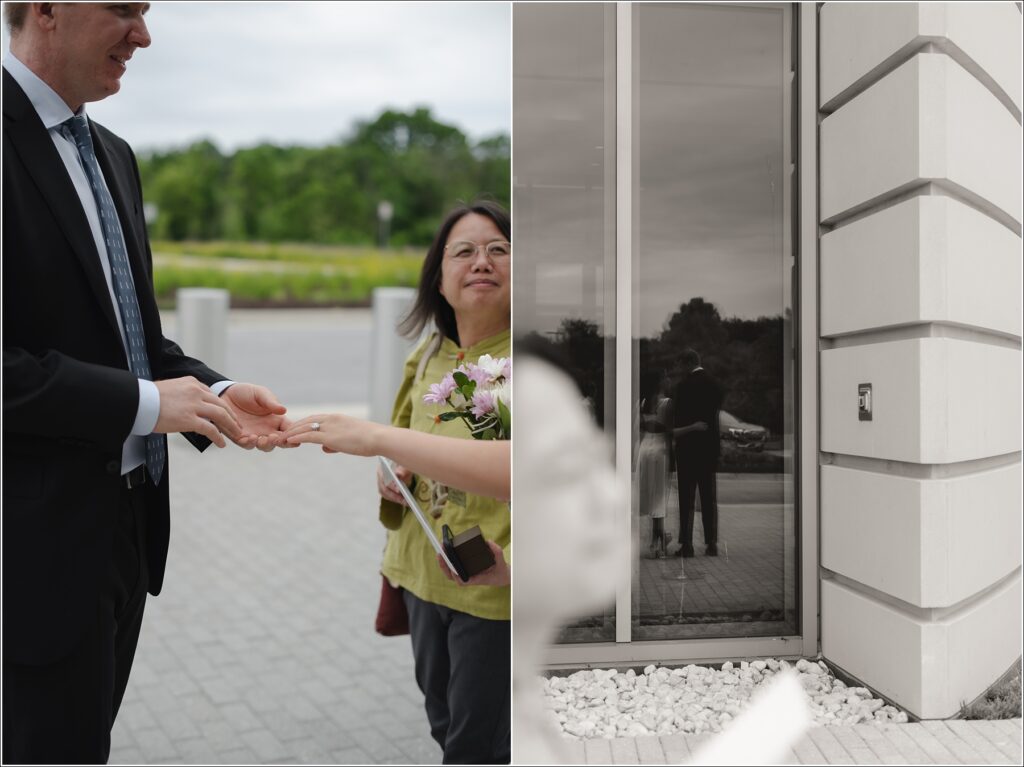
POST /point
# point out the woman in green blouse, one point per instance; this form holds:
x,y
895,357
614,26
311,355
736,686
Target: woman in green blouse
x,y
461,637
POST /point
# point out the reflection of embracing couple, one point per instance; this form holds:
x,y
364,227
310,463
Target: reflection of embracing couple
x,y
91,388
680,433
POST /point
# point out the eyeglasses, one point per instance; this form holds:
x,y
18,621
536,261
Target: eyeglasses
x,y
463,251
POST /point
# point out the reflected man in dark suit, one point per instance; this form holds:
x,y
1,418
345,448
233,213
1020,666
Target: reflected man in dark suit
x,y
90,388
698,399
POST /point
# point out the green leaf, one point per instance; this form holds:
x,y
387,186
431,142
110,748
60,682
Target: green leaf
x,y
461,379
451,416
505,416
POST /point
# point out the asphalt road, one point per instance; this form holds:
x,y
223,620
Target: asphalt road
x,y
306,356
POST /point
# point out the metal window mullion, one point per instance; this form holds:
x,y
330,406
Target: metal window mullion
x,y
807,304
671,652
623,311
787,262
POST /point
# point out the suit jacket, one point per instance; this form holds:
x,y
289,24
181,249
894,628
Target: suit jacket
x,y
69,399
698,397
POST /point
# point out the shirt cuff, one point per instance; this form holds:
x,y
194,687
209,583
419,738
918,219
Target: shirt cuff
x,y
149,408
219,387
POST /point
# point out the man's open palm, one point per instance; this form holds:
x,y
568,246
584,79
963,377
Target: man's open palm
x,y
260,415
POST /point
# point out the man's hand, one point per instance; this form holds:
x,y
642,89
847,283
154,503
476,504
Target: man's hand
x,y
260,416
498,574
187,404
387,489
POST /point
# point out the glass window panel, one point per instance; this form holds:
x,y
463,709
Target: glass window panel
x,y
564,205
711,273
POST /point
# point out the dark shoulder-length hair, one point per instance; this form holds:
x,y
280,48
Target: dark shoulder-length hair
x,y
430,306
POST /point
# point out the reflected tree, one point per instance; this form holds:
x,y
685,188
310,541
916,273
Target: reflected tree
x,y
744,355
577,347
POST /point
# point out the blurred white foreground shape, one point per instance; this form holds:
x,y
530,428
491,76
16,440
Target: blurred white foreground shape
x,y
566,546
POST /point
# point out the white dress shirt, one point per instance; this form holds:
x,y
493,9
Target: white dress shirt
x,y
53,112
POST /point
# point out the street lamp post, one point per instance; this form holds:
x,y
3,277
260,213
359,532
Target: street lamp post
x,y
384,212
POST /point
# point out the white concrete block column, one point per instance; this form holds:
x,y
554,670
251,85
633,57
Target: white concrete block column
x,y
918,539
920,274
203,324
953,648
927,259
388,350
935,400
928,122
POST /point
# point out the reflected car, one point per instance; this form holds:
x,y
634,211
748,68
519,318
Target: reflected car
x,y
746,436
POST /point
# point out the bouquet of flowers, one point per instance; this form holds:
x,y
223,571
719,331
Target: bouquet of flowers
x,y
480,394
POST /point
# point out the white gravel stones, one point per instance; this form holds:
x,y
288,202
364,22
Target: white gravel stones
x,y
603,703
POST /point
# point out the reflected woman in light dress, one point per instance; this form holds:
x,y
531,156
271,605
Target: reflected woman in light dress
x,y
655,457
654,460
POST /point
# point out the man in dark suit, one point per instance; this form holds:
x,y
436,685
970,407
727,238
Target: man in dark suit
x,y
90,388
698,398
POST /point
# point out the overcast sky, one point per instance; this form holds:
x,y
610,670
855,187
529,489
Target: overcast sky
x,y
244,72
708,184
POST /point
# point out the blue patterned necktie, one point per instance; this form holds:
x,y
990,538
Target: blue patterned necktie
x,y
77,130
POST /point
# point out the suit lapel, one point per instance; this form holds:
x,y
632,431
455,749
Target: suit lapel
x,y
39,156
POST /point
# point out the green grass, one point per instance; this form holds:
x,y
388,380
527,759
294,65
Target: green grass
x,y
340,255
1002,701
335,276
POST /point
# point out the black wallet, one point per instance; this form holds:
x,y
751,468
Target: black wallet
x,y
468,551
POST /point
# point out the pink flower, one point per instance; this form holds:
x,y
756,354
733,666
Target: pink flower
x,y
483,403
476,373
439,392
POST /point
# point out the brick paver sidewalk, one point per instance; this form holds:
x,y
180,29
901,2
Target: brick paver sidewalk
x,y
936,742
261,647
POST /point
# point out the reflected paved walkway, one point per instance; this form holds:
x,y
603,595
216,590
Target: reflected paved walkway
x,y
746,583
748,589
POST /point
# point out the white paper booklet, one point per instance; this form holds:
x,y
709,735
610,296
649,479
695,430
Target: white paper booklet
x,y
417,511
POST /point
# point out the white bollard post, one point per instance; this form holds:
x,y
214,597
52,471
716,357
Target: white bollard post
x,y
203,325
388,349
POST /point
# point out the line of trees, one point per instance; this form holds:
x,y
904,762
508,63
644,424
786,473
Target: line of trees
x,y
326,194
745,355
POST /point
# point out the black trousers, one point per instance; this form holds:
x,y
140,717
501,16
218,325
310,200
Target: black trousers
x,y
692,480
62,713
463,665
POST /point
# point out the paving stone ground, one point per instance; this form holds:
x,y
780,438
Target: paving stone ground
x,y
304,355
261,647
935,742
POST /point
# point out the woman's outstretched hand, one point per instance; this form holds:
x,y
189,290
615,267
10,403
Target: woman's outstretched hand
x,y
335,433
498,574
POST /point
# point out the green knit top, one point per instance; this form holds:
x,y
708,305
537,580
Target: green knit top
x,y
409,559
